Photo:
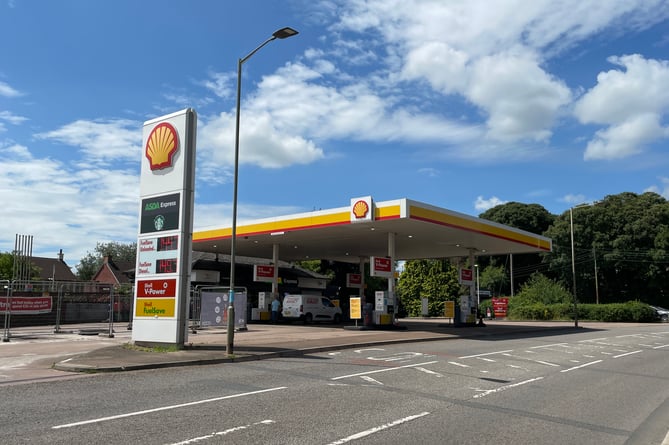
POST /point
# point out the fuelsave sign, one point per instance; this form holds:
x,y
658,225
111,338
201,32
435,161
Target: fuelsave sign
x,y
155,298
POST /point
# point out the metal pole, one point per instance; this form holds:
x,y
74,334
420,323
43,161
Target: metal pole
x,y
594,255
573,265
281,34
111,311
5,336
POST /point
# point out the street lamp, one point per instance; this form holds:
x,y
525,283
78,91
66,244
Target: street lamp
x,y
573,261
282,33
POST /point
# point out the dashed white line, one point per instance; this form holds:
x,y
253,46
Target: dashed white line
x,y
382,370
427,371
582,366
627,353
462,365
370,380
506,387
223,433
487,353
659,347
378,428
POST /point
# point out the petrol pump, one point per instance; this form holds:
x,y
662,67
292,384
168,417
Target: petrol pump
x,y
384,307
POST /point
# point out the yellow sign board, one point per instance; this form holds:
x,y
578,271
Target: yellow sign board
x,y
355,308
449,309
155,307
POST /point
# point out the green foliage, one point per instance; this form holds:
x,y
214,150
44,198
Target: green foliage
x,y
91,263
493,278
436,280
7,267
631,311
539,289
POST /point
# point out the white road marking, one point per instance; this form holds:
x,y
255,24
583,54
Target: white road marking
x,y
627,353
506,387
486,359
659,347
360,351
645,346
545,363
427,371
334,353
462,365
582,366
382,370
370,379
562,345
223,433
165,408
378,428
487,353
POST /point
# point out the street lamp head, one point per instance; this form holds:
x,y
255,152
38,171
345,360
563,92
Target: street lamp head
x,y
284,33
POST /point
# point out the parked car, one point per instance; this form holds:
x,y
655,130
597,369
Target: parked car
x,y
662,313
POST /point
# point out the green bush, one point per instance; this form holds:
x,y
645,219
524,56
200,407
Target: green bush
x,y
632,311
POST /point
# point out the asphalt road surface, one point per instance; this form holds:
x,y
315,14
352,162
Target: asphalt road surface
x,y
590,387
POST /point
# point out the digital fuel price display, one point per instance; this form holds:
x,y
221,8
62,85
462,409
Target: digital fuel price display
x,y
157,255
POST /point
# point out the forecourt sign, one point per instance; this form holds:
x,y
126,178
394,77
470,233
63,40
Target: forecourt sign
x,y
164,242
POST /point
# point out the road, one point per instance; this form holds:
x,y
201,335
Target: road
x,y
590,387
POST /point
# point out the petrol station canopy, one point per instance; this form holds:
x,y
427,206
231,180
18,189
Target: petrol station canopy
x,y
361,230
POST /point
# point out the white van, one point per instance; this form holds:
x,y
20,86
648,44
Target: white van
x,y
309,308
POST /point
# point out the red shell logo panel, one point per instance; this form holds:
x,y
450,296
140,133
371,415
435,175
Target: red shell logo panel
x,y
161,146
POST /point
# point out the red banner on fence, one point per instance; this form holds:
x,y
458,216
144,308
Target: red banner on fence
x,y
27,305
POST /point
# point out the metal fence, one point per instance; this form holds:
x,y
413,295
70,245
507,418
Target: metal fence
x,y
39,303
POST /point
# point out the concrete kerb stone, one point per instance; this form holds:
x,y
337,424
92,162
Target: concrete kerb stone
x,y
161,360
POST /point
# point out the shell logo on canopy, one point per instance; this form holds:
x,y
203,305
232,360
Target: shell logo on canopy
x,y
161,146
362,209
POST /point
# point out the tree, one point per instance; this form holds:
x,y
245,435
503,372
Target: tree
x,y
627,234
494,279
7,267
436,280
91,263
532,218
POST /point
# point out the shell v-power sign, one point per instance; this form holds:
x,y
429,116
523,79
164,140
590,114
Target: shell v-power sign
x,y
162,273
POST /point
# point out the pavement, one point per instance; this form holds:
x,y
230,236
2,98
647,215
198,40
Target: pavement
x,y
39,352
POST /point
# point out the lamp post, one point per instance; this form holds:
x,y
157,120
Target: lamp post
x,y
573,265
573,261
282,33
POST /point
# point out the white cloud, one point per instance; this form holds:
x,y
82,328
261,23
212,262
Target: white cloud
x,y
12,118
632,103
482,204
492,56
102,141
8,91
662,189
65,206
574,199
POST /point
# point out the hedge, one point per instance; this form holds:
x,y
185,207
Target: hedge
x,y
632,311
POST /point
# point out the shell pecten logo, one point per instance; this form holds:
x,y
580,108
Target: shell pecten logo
x,y
360,209
161,146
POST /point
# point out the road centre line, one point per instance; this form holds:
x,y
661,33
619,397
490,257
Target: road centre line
x,y
487,353
223,433
628,353
378,428
382,370
582,366
165,408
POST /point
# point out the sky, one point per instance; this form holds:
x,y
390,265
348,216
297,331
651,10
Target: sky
x,y
461,105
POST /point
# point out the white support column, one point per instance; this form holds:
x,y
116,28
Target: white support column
x,y
391,280
361,291
275,279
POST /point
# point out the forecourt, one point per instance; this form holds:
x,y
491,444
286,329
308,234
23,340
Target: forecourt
x,y
366,231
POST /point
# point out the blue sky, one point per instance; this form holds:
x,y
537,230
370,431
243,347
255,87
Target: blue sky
x,y
462,105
